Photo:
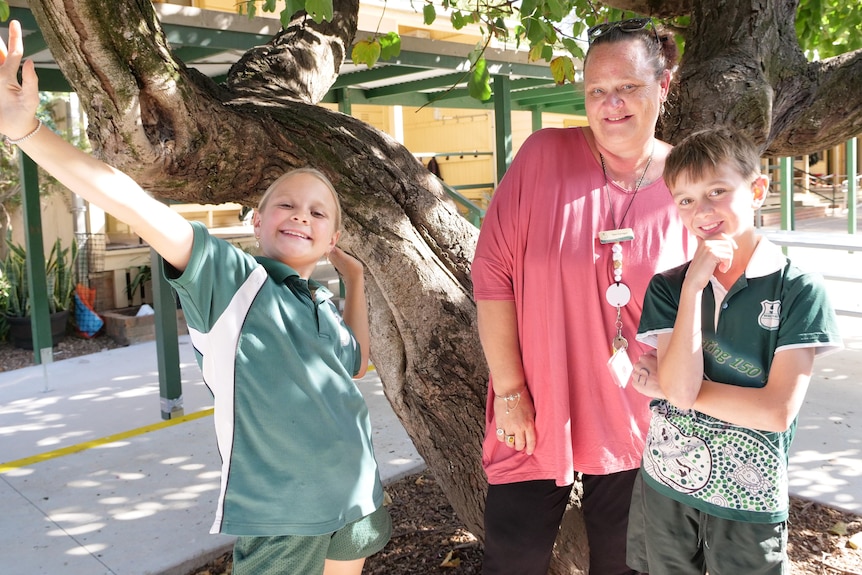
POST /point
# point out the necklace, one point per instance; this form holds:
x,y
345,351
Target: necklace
x,y
618,294
634,192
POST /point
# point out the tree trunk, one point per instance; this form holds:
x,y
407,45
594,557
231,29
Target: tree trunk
x,y
187,139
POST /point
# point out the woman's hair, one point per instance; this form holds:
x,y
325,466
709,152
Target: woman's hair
x,y
702,152
261,206
658,42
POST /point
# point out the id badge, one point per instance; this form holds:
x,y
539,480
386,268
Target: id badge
x,y
620,367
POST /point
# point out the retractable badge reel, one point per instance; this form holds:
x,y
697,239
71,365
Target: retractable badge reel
x,y
618,295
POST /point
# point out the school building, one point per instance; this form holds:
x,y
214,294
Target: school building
x,y
417,98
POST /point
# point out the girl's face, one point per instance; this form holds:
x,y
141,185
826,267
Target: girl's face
x,y
622,94
298,223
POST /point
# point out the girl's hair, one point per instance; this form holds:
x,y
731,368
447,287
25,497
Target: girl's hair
x,y
702,152
658,42
261,206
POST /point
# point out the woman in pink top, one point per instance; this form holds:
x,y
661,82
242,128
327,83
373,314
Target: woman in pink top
x,y
576,229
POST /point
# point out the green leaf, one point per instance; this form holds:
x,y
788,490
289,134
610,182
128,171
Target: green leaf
x,y
390,46
535,33
429,14
366,52
547,53
476,53
458,20
291,7
528,7
574,48
319,10
269,5
555,9
562,68
479,85
4,11
536,51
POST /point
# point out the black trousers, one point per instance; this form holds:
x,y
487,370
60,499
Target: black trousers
x,y
522,521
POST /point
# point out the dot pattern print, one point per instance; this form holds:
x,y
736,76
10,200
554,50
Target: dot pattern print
x,y
716,462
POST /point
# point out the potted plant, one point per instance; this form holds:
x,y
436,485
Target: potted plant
x,y
15,294
130,325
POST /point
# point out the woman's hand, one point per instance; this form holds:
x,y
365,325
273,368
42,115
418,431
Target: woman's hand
x,y
645,376
515,420
18,102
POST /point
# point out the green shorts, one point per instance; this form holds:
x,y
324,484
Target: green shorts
x,y
666,537
284,554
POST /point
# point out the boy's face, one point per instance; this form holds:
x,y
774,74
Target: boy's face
x,y
722,202
297,225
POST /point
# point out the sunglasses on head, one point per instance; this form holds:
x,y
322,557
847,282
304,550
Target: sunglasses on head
x,y
630,25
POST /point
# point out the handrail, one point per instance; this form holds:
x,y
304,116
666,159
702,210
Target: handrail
x,y
820,240
474,153
800,171
475,214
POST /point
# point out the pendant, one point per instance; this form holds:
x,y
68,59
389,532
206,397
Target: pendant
x,y
618,294
616,236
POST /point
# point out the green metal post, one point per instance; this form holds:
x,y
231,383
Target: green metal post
x,y
503,120
851,185
344,104
786,180
536,114
37,284
167,341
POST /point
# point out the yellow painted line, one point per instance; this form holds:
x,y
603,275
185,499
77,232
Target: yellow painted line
x,y
24,462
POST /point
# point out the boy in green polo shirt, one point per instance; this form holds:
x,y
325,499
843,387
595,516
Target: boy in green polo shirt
x,y
736,331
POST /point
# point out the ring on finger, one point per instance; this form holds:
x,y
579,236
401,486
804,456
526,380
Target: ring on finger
x,y
500,432
510,439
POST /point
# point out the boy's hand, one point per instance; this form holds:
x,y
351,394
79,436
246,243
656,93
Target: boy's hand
x,y
710,255
18,102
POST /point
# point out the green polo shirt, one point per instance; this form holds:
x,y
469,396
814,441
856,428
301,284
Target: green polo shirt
x,y
723,469
293,430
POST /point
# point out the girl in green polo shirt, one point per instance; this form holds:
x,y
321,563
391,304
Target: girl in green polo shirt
x,y
300,486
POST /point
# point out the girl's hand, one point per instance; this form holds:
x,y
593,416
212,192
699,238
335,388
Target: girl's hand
x,y
18,102
346,265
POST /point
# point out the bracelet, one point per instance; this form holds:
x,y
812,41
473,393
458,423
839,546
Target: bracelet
x,y
28,136
516,397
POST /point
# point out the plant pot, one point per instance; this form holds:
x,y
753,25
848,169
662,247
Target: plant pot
x,y
124,327
21,330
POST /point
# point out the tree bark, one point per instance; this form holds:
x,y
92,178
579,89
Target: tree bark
x,y
187,139
743,67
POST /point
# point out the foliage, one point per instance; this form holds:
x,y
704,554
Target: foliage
x,y
828,28
59,273
10,175
554,30
144,274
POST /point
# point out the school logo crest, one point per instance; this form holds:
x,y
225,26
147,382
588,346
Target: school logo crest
x,y
770,314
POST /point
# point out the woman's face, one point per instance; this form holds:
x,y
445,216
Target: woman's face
x,y
622,94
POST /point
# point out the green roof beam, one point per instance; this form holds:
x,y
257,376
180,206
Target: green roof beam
x,y
417,85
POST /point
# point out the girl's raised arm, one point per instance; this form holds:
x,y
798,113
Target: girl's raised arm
x,y
110,189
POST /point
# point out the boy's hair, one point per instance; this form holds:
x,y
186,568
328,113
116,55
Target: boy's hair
x,y
261,205
701,152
